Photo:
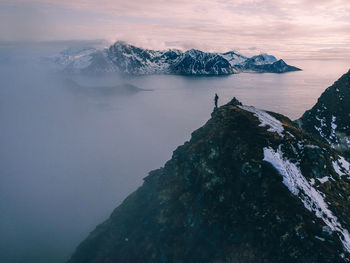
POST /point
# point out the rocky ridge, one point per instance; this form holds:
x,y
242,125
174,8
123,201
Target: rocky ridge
x,y
250,186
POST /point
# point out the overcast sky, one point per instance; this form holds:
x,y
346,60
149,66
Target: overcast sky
x,y
286,28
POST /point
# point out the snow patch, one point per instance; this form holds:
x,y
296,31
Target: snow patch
x,y
323,179
310,146
322,121
341,166
266,120
334,126
291,135
312,199
320,238
312,181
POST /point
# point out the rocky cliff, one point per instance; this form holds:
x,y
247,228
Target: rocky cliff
x,y
329,119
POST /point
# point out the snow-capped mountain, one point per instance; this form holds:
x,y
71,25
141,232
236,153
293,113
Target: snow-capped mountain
x,y
249,186
137,61
127,59
234,58
329,119
78,58
263,59
278,66
265,63
196,62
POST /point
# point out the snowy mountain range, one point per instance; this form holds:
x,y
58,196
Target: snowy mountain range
x,y
128,59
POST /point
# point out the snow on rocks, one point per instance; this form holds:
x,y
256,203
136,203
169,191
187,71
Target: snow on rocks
x,y
312,181
79,57
341,166
234,58
266,120
334,126
323,179
320,238
310,146
322,121
312,199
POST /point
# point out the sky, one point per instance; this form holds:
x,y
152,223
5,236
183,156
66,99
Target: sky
x,y
288,28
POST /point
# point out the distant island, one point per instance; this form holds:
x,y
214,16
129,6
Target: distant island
x,y
127,59
119,89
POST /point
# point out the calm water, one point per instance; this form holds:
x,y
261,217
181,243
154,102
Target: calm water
x,y
67,159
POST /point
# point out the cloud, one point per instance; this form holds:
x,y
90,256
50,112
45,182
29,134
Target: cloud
x,y
289,26
22,23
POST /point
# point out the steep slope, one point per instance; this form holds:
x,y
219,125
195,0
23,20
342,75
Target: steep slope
x,y
127,59
329,119
248,187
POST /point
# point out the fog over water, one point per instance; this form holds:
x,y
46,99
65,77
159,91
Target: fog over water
x,y
69,156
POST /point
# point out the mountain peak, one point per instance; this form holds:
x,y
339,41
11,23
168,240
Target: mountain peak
x,y
235,102
121,44
263,59
194,52
232,52
249,186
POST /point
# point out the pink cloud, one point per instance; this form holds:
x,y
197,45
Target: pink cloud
x,y
290,26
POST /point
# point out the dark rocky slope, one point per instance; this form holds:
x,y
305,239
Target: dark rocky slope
x,y
329,119
248,187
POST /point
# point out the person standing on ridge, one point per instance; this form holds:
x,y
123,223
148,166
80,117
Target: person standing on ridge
x,y
216,100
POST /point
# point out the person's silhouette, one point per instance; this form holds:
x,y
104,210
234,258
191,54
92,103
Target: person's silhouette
x,y
216,100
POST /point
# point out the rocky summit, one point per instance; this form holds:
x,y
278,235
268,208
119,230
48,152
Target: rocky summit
x,y
249,186
127,59
329,119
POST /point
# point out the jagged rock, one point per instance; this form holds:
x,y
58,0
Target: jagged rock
x,y
241,190
196,62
